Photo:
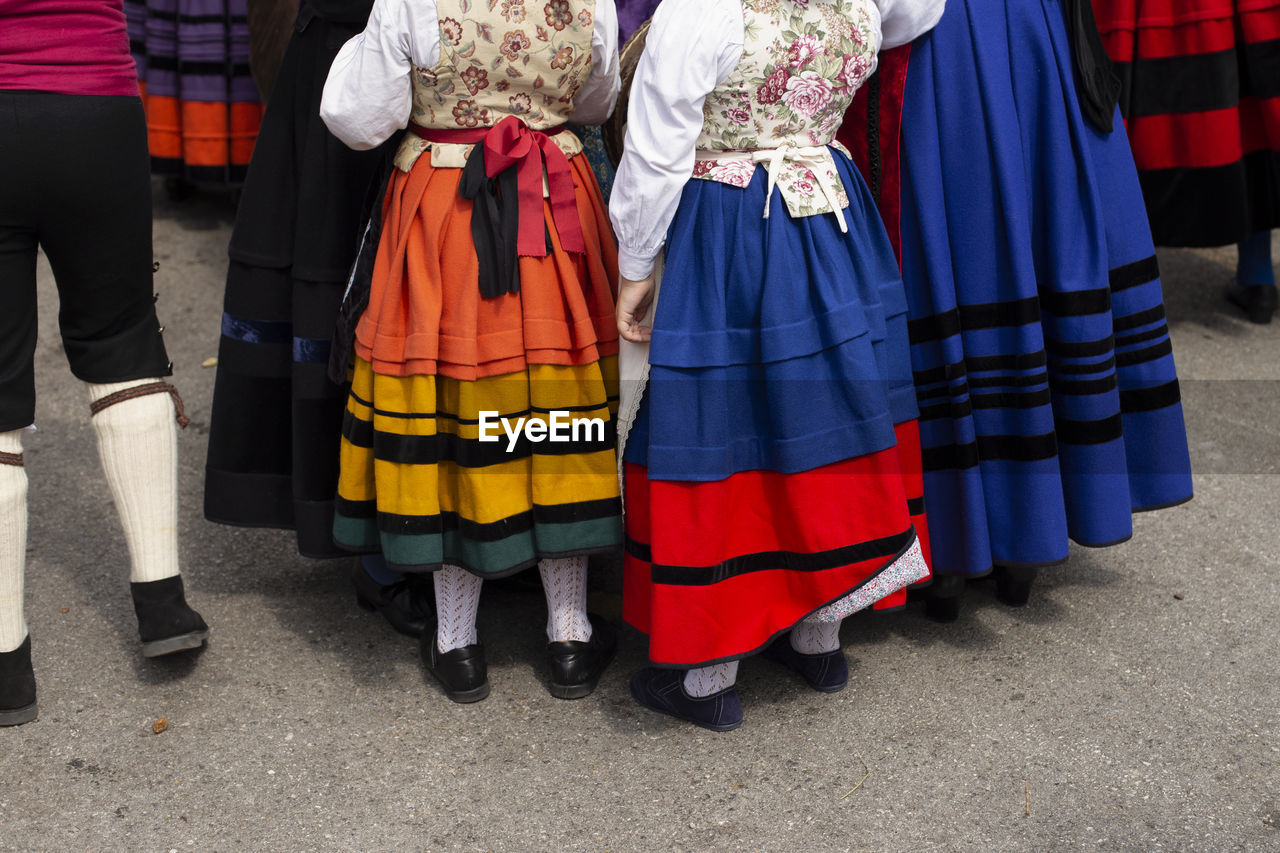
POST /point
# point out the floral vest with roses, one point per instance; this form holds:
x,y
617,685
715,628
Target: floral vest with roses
x,y
802,62
526,58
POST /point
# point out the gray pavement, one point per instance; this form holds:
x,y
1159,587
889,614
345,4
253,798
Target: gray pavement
x,y
1131,706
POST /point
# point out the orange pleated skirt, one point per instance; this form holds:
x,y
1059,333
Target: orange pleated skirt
x,y
437,367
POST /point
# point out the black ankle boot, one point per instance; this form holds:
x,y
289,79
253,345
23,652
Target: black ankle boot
x,y
166,623
17,686
1258,301
1013,584
942,598
407,604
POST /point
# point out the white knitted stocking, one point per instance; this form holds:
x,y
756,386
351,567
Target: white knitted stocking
x,y
706,680
13,540
812,636
565,582
457,600
138,444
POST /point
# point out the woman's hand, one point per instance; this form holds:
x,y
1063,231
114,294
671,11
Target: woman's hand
x,y
634,299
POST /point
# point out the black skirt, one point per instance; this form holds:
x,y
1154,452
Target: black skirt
x,y
273,442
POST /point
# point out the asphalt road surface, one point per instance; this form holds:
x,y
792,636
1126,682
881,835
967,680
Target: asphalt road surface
x,y
1133,705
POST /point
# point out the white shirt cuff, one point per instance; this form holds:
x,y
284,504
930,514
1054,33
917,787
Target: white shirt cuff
x,y
635,264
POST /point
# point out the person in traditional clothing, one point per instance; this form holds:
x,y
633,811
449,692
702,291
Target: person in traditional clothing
x,y
488,305
632,14
1201,101
203,109
66,76
270,24
1049,403
277,417
769,460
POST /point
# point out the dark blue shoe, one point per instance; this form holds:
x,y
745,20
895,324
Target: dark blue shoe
x,y
828,671
662,690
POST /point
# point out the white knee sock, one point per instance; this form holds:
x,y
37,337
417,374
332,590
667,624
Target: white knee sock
x,y
565,582
138,443
13,540
706,680
457,600
813,636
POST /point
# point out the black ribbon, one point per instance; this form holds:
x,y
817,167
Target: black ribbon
x,y
1097,86
495,224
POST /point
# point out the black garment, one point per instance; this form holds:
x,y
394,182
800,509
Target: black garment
x,y
75,180
276,420
343,11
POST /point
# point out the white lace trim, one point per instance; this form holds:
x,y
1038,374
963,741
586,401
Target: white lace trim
x,y
904,571
633,378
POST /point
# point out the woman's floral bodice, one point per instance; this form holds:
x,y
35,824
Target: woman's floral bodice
x,y
526,58
802,62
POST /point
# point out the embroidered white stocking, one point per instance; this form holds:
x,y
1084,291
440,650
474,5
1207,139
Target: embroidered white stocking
x,y
565,582
457,600
814,636
138,444
706,680
13,540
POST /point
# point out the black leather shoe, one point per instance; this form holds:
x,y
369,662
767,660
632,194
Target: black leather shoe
x,y
408,605
166,623
1258,301
826,671
662,690
576,666
1013,584
17,686
462,672
942,598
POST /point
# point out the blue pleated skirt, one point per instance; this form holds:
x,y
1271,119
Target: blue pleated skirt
x,y
773,467
779,344
1049,403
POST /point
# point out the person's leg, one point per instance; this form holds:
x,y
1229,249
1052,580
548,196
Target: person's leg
x,y
812,649
96,231
580,645
1254,289
703,681
23,186
375,566
457,601
453,652
565,583
13,542
138,446
17,410
1254,263
403,600
704,695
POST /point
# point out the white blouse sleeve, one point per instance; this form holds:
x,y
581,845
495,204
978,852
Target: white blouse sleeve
x,y
594,103
368,95
903,21
692,45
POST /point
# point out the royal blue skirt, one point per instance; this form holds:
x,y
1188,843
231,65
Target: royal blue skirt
x,y
779,344
773,467
1049,403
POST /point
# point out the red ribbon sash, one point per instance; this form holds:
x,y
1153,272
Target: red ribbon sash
x,y
512,143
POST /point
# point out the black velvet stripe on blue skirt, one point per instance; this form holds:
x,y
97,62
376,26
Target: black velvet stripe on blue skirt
x,y
1049,402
